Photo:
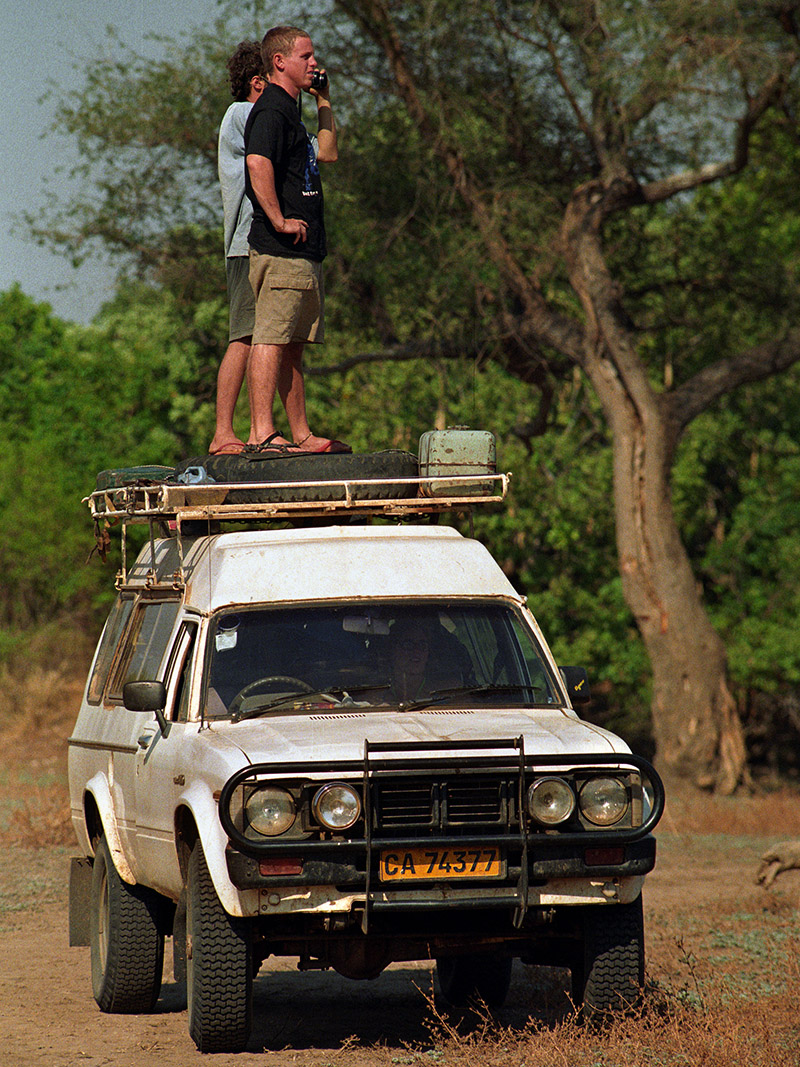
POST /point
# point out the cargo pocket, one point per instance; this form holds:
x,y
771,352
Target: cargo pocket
x,y
294,302
288,280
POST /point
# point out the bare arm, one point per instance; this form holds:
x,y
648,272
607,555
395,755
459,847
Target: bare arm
x,y
326,134
262,179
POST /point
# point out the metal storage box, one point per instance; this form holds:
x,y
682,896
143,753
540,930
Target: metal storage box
x,y
457,451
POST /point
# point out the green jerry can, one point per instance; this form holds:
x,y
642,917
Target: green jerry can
x,y
455,452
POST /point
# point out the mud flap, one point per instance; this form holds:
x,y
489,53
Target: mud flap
x,y
80,889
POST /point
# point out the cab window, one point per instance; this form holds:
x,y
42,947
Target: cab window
x,y
144,646
109,642
179,673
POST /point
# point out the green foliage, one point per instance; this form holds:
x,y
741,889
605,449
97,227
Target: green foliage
x,y
738,477
77,400
698,279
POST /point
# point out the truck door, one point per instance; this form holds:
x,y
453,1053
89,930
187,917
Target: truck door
x,y
141,657
160,775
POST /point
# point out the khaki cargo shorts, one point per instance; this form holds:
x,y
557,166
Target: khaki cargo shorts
x,y
290,299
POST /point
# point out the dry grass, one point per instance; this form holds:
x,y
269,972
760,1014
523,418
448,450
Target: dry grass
x,y
690,1027
36,716
690,812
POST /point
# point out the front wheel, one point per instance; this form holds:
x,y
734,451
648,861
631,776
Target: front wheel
x,y
474,979
127,944
219,966
608,978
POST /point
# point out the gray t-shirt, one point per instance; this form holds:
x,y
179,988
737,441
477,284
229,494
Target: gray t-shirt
x,y
237,209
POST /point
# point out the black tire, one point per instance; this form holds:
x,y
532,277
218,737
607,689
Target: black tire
x,y
219,966
608,976
249,467
127,944
467,981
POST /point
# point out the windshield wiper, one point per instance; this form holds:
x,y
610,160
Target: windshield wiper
x,y
299,701
438,695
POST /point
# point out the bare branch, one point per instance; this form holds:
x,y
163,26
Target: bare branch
x,y
515,349
754,365
397,353
770,94
549,46
551,329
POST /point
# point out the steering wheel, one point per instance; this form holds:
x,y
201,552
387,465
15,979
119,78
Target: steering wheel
x,y
265,682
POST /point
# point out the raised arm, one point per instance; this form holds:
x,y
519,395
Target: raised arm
x,y
326,134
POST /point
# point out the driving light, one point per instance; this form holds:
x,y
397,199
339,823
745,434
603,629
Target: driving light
x,y
336,807
270,811
604,800
551,801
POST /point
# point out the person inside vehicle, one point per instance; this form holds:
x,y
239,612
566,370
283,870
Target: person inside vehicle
x,y
422,660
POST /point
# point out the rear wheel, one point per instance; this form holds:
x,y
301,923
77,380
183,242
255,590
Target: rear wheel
x,y
608,976
219,966
470,980
127,945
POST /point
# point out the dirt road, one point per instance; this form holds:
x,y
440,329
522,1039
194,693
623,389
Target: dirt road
x,y
704,916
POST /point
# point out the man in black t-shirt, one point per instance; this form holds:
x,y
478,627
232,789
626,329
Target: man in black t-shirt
x,y
287,240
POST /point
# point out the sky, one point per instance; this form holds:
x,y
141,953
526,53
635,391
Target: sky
x,y
43,38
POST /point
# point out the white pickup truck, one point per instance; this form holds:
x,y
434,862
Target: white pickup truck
x,y
344,741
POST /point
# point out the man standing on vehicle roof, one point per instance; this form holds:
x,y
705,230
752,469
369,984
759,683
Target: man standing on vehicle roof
x,y
246,72
287,240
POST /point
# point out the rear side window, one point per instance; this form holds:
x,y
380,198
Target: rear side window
x,y
112,632
144,646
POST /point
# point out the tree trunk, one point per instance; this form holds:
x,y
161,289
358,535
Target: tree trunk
x,y
697,730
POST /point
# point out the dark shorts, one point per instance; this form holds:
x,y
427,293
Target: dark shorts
x,y
290,299
241,299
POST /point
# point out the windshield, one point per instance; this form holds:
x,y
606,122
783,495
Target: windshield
x,y
373,654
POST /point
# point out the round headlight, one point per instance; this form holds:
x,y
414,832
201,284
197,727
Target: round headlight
x,y
604,800
551,801
270,811
336,807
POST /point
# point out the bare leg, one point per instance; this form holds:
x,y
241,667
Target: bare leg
x,y
293,394
279,369
229,383
292,389
267,368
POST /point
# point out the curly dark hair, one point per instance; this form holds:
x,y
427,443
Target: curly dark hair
x,y
244,64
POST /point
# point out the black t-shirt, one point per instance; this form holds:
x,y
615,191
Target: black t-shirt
x,y
274,130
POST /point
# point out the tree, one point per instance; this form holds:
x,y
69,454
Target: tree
x,y
526,197
648,103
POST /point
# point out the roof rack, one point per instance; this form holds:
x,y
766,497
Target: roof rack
x,y
144,501
162,503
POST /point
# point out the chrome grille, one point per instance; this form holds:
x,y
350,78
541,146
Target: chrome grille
x,y
443,803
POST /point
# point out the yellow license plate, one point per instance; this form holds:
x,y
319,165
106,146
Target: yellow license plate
x,y
441,864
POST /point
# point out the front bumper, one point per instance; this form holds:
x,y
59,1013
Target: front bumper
x,y
563,861
540,867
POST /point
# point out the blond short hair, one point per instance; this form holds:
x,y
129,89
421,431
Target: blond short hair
x,y
280,39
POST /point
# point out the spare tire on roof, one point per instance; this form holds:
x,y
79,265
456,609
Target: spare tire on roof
x,y
381,467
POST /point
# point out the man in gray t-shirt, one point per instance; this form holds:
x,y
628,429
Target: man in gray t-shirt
x,y
247,80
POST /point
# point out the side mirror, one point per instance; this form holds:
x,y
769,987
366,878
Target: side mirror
x,y
144,696
147,696
577,682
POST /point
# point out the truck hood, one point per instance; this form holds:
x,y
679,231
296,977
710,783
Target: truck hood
x,y
340,735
